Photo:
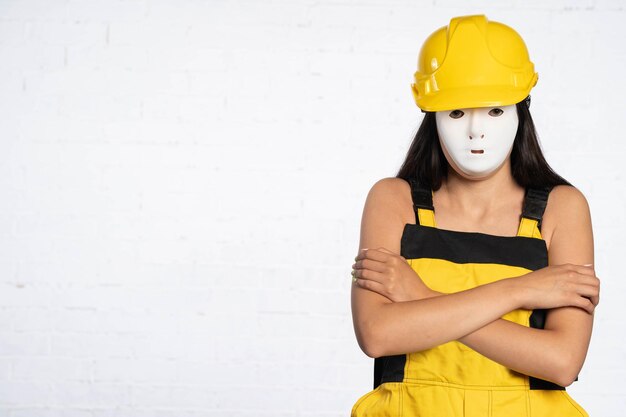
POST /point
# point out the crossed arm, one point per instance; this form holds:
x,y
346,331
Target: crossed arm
x,y
394,312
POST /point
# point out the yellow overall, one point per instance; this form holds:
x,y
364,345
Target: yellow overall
x,y
452,380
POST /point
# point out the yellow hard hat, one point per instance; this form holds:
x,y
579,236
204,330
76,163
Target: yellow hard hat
x,y
472,62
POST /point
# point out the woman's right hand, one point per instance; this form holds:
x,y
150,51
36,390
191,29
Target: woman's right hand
x,y
556,286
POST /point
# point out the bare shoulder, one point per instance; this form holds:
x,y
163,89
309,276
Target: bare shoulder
x,y
392,195
391,184
390,187
566,201
388,208
567,209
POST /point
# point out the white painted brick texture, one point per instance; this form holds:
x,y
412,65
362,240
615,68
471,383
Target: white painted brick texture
x,y
181,185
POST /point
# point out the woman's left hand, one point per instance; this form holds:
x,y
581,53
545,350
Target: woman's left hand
x,y
388,274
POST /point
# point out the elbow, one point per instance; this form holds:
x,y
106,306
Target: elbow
x,y
566,378
567,370
370,350
370,341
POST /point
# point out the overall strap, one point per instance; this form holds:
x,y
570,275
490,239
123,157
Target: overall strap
x,y
422,204
535,202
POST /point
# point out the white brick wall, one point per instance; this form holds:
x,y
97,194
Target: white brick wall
x,y
181,185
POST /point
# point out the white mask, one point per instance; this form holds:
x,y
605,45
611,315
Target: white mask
x,y
478,140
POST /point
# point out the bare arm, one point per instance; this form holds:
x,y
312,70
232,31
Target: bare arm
x,y
556,353
384,328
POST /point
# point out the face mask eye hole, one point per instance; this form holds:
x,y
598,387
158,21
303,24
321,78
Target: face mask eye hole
x,y
495,112
456,114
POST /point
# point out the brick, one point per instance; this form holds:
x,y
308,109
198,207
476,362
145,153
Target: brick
x,y
50,368
24,393
173,396
23,344
89,395
40,9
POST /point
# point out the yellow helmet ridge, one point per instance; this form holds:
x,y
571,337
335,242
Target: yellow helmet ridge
x,y
472,62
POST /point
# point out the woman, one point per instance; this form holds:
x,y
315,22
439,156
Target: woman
x,y
477,292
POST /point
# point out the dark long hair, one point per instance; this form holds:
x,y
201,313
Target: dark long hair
x,y
426,162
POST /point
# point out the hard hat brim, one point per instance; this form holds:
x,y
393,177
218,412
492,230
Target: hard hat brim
x,y
470,97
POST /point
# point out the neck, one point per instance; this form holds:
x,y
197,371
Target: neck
x,y
480,194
